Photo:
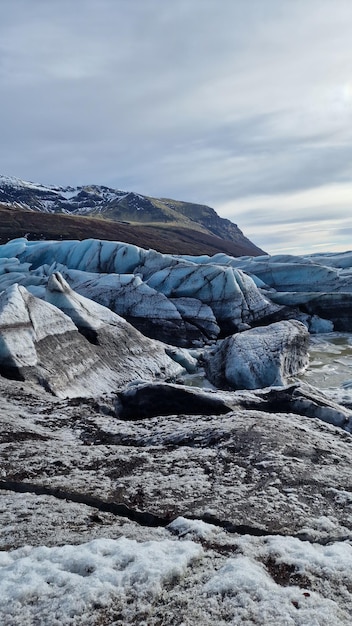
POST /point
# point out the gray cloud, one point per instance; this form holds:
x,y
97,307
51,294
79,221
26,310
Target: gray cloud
x,y
181,99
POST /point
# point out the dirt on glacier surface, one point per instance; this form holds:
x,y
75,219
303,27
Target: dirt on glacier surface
x,y
238,518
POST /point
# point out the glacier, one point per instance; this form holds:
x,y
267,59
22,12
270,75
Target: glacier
x,y
184,302
226,297
132,493
73,346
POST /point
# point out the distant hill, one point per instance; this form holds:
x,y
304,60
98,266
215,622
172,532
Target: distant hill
x,y
92,211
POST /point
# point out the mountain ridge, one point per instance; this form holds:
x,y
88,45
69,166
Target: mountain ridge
x,y
185,221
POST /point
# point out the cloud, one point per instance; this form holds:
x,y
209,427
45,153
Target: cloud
x,y
297,222
243,105
291,238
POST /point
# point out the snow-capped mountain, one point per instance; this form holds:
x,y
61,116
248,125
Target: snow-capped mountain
x,y
53,199
124,207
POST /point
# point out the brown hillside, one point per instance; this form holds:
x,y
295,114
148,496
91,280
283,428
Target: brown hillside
x,y
16,222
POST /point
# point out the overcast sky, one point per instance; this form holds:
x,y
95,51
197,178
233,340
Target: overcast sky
x,y
244,105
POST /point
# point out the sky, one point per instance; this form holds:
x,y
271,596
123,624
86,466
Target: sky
x,y
243,105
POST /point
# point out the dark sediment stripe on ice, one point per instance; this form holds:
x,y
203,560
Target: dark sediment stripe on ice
x,y
144,518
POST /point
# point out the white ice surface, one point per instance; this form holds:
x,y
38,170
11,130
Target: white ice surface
x,y
81,310
21,325
231,294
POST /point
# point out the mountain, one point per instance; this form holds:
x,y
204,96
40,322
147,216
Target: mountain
x,y
169,226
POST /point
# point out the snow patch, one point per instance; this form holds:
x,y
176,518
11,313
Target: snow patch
x,y
57,585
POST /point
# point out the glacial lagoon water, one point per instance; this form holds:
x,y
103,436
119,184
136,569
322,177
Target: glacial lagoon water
x,y
330,365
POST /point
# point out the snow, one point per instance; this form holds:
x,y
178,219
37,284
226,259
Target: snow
x,y
76,584
68,193
333,559
50,195
60,585
316,568
194,528
237,573
17,183
254,597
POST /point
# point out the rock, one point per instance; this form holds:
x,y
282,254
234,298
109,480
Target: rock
x,y
259,357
